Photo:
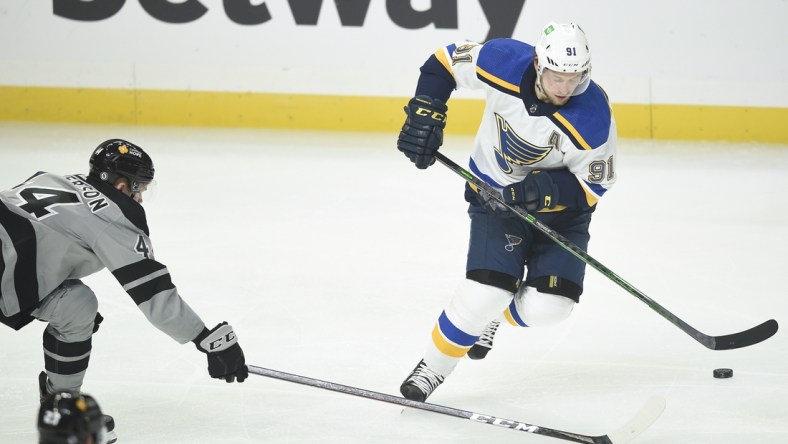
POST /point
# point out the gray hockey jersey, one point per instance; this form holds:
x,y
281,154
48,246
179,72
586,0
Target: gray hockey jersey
x,y
54,228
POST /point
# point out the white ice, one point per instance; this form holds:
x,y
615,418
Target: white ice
x,y
332,257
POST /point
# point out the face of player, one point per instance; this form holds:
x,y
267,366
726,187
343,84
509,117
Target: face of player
x,y
557,87
137,195
123,186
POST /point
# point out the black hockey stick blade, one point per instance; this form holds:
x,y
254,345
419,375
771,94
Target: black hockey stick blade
x,y
757,334
641,421
727,342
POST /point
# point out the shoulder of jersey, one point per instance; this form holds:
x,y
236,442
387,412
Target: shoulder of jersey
x,y
586,118
132,211
502,63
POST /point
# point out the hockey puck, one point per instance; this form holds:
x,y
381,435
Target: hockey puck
x,y
723,373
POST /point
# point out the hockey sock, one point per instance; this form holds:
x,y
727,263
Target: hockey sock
x,y
65,362
462,322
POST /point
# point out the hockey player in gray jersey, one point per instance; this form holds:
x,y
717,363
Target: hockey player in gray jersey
x,y
67,417
547,142
56,229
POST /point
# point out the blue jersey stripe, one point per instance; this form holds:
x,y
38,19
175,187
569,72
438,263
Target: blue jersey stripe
x,y
483,176
599,190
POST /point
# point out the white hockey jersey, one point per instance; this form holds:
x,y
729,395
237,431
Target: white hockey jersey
x,y
54,228
519,133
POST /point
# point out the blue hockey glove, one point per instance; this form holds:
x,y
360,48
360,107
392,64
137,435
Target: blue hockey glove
x,y
225,357
422,133
536,192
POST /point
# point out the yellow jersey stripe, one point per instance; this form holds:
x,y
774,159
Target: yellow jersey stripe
x,y
572,130
590,197
500,82
441,56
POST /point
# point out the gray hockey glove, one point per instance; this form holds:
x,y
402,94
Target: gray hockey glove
x,y
536,192
225,357
422,133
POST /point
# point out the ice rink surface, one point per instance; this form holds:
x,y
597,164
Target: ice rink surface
x,y
332,256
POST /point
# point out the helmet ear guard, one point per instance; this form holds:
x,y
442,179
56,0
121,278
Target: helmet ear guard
x,y
564,48
118,158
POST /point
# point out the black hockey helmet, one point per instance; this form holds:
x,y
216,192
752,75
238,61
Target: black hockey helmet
x,y
116,158
69,417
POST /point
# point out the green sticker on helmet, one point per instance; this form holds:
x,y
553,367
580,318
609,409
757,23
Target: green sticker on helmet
x,y
548,30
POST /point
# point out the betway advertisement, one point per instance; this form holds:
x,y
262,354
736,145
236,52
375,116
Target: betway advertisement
x,y
669,51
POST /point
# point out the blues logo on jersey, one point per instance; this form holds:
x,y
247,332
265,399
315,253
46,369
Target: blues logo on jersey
x,y
513,149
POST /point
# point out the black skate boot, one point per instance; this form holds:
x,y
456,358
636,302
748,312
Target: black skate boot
x,y
421,383
484,344
109,422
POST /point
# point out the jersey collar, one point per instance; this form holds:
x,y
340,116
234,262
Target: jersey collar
x,y
533,105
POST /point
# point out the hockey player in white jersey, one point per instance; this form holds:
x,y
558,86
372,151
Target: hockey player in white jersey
x,y
547,141
57,229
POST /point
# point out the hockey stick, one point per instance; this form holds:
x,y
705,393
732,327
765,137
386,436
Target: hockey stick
x,y
641,421
741,339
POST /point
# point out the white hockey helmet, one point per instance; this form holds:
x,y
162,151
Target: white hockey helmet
x,y
564,48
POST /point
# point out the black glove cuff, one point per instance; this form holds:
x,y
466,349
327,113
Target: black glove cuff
x,y
205,332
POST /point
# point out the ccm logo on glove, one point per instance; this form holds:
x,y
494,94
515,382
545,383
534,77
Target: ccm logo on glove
x,y
422,133
220,338
434,115
548,200
221,342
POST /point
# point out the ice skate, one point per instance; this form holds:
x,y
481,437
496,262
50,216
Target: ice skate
x,y
484,344
421,383
109,422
